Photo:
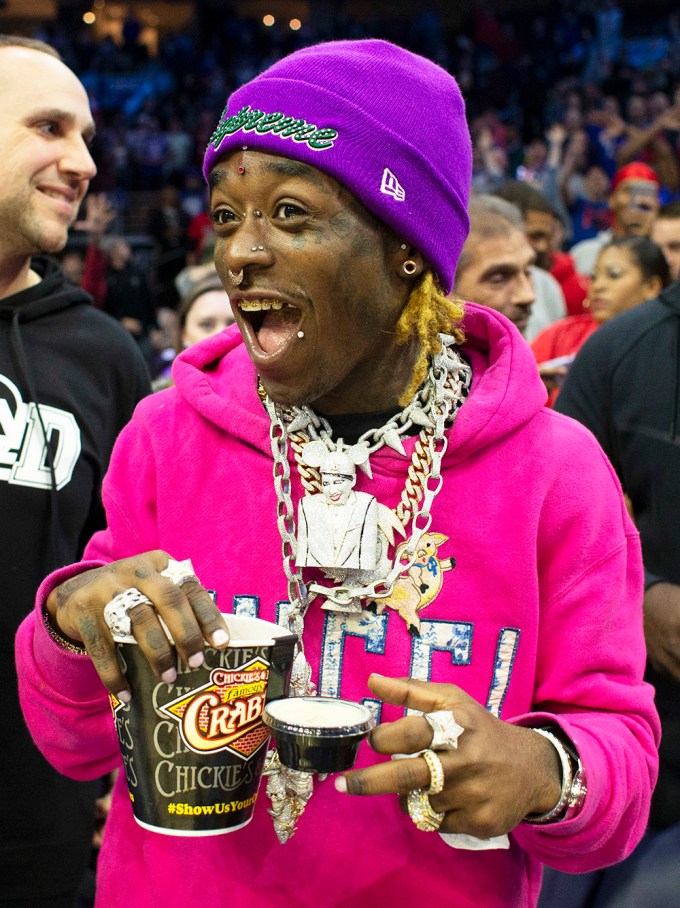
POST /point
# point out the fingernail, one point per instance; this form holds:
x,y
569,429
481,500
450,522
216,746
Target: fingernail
x,y
341,784
219,638
124,696
196,660
169,675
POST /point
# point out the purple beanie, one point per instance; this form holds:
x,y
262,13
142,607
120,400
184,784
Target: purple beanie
x,y
388,124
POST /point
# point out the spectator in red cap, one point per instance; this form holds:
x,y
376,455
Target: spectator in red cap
x,y
633,202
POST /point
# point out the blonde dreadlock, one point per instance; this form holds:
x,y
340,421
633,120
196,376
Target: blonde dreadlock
x,y
428,313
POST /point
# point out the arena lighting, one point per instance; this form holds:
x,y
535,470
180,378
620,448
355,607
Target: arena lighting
x,y
268,20
295,24
89,18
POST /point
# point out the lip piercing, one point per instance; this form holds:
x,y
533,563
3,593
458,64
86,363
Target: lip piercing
x,y
235,278
257,248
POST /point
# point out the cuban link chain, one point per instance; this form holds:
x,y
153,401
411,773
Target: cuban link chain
x,y
434,408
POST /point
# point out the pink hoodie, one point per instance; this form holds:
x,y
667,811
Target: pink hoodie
x,y
540,620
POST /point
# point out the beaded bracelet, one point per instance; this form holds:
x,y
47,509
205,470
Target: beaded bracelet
x,y
56,636
574,788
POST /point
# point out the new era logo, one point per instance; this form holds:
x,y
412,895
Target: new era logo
x,y
391,186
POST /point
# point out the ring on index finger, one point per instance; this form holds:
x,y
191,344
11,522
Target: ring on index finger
x,y
445,730
180,571
116,611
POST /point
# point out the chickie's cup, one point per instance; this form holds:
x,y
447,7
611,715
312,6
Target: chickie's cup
x,y
318,734
193,751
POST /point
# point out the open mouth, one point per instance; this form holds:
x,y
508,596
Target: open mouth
x,y
272,322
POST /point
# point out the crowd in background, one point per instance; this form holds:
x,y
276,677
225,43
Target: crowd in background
x,y
559,105
560,100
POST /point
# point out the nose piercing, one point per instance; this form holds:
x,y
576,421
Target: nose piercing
x,y
235,278
257,213
257,248
301,334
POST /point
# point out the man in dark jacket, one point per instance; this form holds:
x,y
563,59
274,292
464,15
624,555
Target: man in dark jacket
x,y
625,387
69,380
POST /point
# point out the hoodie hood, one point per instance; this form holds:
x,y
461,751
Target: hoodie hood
x,y
217,379
670,297
52,294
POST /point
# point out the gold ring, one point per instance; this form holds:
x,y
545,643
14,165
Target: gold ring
x,y
436,772
421,811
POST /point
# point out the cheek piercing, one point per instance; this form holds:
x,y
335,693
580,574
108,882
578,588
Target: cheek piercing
x,y
301,334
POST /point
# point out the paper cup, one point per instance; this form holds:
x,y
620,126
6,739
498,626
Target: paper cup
x,y
318,734
193,751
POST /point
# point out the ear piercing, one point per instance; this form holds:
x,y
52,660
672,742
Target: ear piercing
x,y
409,267
235,278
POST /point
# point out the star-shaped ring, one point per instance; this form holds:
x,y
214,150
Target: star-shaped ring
x,y
180,572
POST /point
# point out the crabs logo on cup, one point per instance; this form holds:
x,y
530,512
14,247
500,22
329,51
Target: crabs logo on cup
x,y
193,751
225,714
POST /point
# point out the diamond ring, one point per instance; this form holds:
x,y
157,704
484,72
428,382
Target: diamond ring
x,y
445,730
436,772
421,811
180,571
116,611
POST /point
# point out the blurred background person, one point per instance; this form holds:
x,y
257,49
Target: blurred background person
x,y
203,311
494,268
559,289
666,232
633,203
628,271
128,295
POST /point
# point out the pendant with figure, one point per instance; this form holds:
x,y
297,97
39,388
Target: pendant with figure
x,y
343,532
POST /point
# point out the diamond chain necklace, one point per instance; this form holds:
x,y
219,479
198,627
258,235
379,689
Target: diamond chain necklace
x,y
433,408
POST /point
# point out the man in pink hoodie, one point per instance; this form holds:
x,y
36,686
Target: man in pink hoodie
x,y
504,583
